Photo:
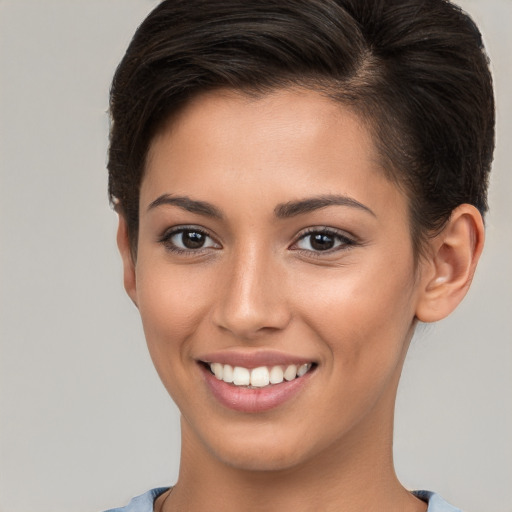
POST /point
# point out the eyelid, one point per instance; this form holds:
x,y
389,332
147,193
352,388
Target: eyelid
x,y
347,239
166,236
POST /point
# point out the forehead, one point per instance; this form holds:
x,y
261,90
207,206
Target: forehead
x,y
294,112
290,142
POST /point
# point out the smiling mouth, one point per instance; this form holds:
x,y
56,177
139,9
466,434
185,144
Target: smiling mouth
x,y
261,377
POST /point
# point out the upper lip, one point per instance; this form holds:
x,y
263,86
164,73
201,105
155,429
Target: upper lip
x,y
253,359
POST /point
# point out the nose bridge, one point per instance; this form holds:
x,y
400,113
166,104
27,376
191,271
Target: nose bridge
x,y
251,299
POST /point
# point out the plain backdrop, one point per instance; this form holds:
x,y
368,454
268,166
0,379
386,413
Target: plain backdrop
x,y
84,421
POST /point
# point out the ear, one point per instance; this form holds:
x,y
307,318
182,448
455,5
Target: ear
x,y
450,267
124,246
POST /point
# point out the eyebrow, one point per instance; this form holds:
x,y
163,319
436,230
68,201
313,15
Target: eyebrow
x,y
293,208
281,211
190,205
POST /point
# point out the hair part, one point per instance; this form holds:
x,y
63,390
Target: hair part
x,y
414,70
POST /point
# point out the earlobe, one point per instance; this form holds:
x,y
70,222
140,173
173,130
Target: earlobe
x,y
451,266
124,246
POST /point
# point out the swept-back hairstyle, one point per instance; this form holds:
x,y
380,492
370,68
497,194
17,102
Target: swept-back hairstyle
x,y
414,70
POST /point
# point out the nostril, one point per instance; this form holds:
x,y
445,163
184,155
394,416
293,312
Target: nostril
x,y
250,321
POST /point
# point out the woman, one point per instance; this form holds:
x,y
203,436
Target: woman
x,y
298,183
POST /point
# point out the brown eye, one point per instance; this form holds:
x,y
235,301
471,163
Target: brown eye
x,y
191,239
188,240
323,241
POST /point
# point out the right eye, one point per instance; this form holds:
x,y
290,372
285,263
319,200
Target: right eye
x,y
188,240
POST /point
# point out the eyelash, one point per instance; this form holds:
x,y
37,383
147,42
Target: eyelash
x,y
345,242
166,240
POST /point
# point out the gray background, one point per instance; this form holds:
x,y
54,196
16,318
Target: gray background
x,y
84,421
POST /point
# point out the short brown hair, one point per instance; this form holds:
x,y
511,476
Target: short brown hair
x,y
416,70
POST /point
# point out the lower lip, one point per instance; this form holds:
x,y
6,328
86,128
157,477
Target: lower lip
x,y
253,400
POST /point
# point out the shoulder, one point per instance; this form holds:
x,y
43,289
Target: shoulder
x,y
435,502
142,503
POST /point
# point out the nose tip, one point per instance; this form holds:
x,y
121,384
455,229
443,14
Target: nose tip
x,y
248,321
251,302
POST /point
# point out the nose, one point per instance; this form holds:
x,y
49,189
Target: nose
x,y
252,297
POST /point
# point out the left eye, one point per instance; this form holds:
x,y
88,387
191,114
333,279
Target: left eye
x,y
189,240
321,241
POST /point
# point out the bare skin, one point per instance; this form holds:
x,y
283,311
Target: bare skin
x,y
268,225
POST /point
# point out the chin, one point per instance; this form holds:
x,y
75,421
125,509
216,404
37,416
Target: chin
x,y
258,459
262,451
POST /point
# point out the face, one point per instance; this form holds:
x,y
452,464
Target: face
x,y
273,252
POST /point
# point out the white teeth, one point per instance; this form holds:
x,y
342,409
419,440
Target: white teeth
x,y
276,375
217,369
227,373
241,376
258,377
303,368
291,372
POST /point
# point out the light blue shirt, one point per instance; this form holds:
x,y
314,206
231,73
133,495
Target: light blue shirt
x,y
144,503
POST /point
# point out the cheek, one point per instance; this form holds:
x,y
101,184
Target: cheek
x,y
171,301
364,316
363,326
